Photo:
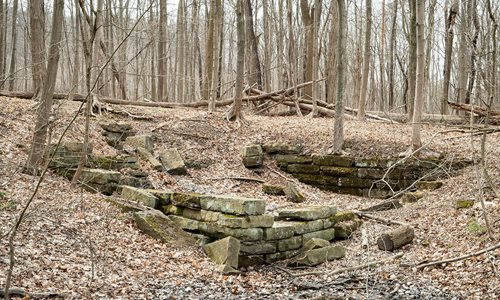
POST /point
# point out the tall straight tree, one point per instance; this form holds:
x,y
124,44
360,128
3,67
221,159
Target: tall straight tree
x,y
42,119
162,53
450,24
235,111
420,76
338,126
254,72
366,61
13,53
2,33
412,57
37,25
209,52
391,54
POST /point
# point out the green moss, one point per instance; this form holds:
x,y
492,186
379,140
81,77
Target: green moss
x,y
463,203
8,205
475,228
343,216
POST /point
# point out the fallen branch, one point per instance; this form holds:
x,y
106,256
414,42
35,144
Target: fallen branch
x,y
380,219
349,269
19,292
239,178
449,260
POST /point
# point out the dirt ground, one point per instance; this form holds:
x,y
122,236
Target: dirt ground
x,y
75,243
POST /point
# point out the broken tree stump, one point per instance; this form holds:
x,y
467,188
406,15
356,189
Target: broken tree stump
x,y
396,238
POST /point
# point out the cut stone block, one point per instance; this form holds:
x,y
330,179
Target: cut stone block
x,y
114,162
288,244
293,159
333,160
233,205
309,213
190,200
164,196
157,225
172,162
244,235
251,260
139,195
343,216
327,234
224,251
303,168
99,176
273,189
252,161
251,150
306,226
140,141
339,171
258,247
184,223
147,156
262,221
277,148
201,215
279,231
172,210
314,243
293,194
318,256
344,230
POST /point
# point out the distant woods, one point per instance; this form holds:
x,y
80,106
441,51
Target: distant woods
x,y
187,50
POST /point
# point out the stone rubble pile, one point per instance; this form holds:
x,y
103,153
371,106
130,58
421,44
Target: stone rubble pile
x,y
263,237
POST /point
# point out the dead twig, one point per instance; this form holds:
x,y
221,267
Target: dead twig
x,y
239,178
349,269
19,292
380,219
449,260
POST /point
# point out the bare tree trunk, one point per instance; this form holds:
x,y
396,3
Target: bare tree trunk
x,y
42,120
310,19
366,61
37,25
162,53
391,54
382,59
76,43
2,43
254,71
215,55
419,96
152,54
209,52
472,10
13,54
331,73
462,54
338,127
267,46
450,24
235,112
181,51
412,64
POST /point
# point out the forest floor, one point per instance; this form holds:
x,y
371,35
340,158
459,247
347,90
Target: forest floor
x,y
73,242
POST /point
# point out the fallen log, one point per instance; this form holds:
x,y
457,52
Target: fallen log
x,y
449,260
396,238
386,205
474,108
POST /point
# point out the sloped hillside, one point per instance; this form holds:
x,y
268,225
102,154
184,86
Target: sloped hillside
x,y
74,242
